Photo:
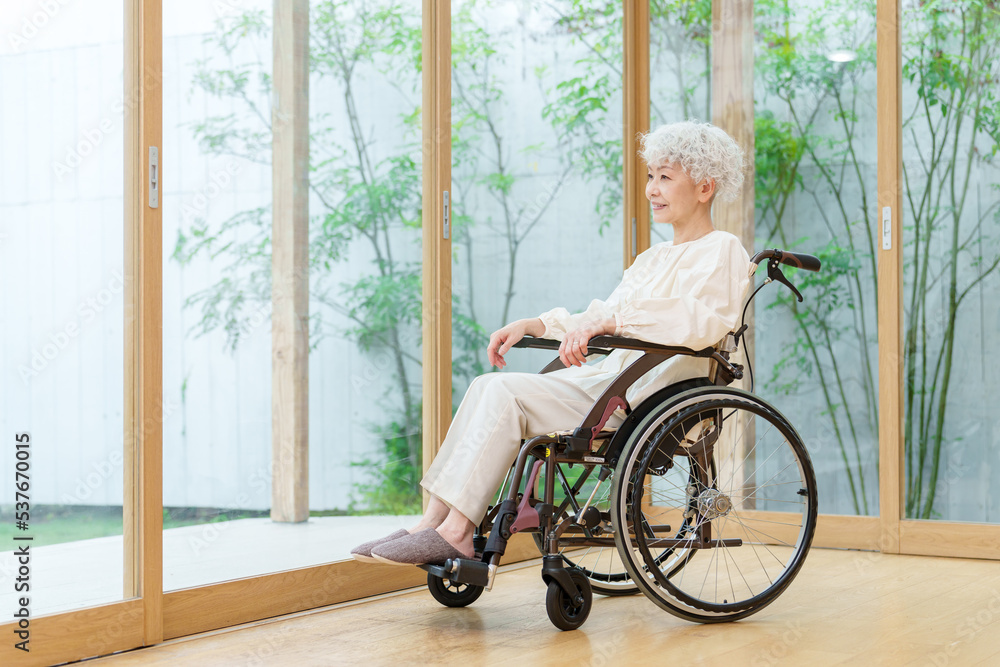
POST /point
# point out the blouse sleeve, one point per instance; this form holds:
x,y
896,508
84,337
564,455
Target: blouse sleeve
x,y
706,307
558,321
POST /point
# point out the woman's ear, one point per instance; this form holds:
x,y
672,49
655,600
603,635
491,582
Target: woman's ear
x,y
706,190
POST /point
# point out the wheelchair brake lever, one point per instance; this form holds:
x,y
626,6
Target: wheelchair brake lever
x,y
774,273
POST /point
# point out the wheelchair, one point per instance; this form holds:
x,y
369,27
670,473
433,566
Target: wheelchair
x,y
704,499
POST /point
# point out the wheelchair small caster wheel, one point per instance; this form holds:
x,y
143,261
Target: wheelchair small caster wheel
x,y
565,612
451,593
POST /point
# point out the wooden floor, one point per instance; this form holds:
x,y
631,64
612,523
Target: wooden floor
x,y
845,607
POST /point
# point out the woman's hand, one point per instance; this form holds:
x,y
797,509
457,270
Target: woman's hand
x,y
503,339
573,350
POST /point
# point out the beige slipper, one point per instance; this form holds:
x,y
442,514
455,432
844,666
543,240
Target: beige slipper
x,y
363,552
427,546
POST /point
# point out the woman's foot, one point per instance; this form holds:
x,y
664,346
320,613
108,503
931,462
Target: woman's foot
x,y
461,538
363,552
426,546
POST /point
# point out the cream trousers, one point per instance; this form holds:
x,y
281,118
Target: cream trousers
x,y
498,412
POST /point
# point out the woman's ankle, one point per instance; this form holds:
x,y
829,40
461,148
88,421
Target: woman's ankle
x,y
425,523
435,514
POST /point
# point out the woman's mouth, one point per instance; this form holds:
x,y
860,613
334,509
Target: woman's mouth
x,y
657,207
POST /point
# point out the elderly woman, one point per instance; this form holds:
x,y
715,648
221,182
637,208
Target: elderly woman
x,y
685,292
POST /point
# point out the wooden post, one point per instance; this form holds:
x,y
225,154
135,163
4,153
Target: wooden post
x,y
143,332
733,111
890,275
290,269
635,100
436,310
732,104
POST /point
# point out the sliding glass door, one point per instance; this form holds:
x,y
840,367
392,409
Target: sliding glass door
x,y
63,289
952,253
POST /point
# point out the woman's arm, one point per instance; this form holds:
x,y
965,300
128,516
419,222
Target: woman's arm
x,y
559,321
504,338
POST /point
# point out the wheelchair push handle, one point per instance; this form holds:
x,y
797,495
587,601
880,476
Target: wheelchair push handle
x,y
775,257
797,259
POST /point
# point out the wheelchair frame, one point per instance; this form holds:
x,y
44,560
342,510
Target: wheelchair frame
x,y
459,582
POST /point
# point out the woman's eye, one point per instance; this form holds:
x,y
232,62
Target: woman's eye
x,y
649,177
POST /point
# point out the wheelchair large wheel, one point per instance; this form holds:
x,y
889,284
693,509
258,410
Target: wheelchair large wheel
x,y
714,505
602,566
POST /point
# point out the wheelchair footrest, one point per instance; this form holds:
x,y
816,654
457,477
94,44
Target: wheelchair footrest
x,y
462,571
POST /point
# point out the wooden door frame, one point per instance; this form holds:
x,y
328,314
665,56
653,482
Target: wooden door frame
x,y
888,64
137,620
898,534
635,120
436,285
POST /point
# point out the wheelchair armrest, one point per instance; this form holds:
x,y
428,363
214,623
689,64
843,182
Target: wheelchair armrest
x,y
604,345
613,396
616,342
549,344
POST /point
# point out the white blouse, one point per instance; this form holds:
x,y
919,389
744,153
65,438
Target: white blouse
x,y
689,294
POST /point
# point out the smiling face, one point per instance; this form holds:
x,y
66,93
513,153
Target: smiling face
x,y
674,196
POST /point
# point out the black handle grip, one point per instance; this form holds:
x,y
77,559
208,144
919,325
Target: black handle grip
x,y
549,344
797,259
801,260
540,343
605,344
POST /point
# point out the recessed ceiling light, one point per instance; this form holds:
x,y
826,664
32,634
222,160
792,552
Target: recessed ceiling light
x,y
841,56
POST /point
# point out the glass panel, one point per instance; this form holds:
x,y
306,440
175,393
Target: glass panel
x,y
815,165
951,252
815,174
364,273
62,260
536,167
365,367
680,64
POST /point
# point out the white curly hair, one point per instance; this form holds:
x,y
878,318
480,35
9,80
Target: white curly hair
x,y
700,149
